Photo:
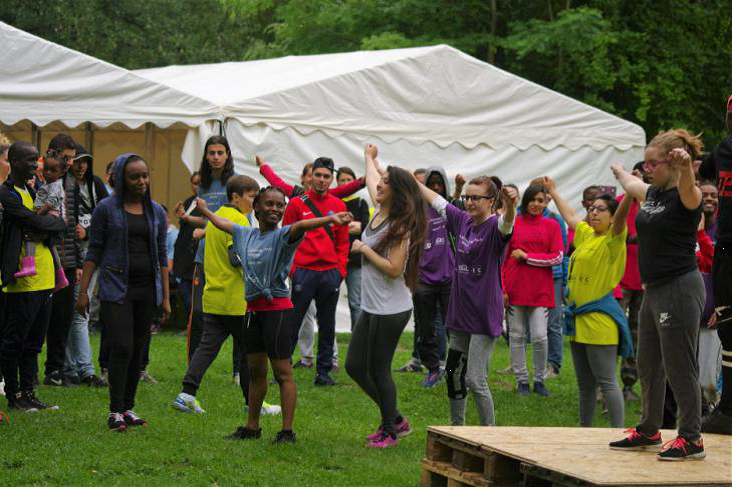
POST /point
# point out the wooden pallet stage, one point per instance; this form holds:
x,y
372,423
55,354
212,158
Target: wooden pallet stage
x,y
460,456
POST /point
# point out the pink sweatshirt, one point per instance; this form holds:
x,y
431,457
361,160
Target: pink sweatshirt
x,y
530,282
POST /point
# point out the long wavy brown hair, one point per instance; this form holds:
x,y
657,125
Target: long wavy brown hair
x,y
407,220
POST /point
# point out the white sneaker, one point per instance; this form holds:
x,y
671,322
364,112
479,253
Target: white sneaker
x,y
236,379
188,404
2,387
271,409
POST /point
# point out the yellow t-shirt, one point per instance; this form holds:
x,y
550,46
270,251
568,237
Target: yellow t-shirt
x,y
595,269
45,277
224,290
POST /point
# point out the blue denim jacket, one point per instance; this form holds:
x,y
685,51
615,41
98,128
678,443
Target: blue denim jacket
x,y
108,240
608,305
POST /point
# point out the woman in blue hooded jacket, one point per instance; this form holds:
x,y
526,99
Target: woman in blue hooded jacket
x,y
128,245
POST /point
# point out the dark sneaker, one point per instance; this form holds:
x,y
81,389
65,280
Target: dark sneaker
x,y
680,449
717,422
244,433
18,403
71,380
541,389
433,378
116,422
523,389
30,398
93,381
54,379
324,380
300,365
285,436
411,366
132,419
637,441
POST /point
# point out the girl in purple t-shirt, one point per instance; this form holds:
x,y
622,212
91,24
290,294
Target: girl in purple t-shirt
x,y
475,312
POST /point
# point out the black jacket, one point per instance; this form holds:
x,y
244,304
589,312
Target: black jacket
x,y
17,219
718,166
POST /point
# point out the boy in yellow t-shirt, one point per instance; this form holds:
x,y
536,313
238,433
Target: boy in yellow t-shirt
x,y
28,299
224,306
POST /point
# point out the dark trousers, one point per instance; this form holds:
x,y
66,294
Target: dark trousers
x,y
631,304
323,286
103,346
62,312
25,327
128,329
427,299
185,288
722,279
216,329
195,321
2,325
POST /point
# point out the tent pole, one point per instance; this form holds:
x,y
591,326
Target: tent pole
x,y
36,136
89,137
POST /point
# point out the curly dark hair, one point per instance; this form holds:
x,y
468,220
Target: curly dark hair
x,y
206,174
261,192
407,219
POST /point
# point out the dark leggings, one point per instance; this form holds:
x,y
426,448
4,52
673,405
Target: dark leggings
x,y
128,330
373,343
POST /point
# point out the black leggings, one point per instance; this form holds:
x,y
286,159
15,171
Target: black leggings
x,y
128,330
373,343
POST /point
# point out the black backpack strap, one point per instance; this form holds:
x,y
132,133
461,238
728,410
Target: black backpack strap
x,y
318,214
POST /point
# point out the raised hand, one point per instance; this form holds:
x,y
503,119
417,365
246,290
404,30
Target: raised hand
x,y
259,161
679,157
549,184
459,180
509,196
371,151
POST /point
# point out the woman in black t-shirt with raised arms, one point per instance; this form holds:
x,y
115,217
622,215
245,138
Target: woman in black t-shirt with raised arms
x,y
674,293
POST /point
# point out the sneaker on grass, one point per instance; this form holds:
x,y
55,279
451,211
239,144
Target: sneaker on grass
x,y
94,381
54,378
403,428
244,433
188,404
433,378
267,408
132,419
681,449
522,389
236,379
18,403
2,387
637,441
146,377
541,389
116,422
411,366
33,401
285,436
384,441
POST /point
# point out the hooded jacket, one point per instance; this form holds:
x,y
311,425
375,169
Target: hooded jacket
x,y
17,219
438,257
109,239
95,186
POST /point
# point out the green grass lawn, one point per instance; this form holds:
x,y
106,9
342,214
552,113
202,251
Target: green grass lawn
x,y
72,446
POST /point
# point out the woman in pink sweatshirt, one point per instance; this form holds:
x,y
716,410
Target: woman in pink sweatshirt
x,y
536,245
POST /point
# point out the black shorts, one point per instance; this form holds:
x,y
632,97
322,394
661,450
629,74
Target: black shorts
x,y
269,332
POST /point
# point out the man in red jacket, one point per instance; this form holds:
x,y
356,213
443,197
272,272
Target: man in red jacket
x,y
320,264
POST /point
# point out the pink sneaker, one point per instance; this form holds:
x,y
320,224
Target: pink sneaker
x,y
402,429
27,267
384,441
61,281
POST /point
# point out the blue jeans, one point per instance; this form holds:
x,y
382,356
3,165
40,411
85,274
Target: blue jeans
x,y
78,360
353,283
554,328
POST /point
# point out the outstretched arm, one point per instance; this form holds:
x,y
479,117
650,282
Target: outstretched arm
x,y
346,190
570,216
631,184
219,222
373,175
272,177
620,220
302,226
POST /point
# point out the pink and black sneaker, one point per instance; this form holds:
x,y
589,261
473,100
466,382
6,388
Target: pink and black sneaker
x,y
637,441
384,440
403,428
681,449
116,422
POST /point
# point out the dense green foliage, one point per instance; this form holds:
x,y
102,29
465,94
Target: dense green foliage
x,y
72,446
661,64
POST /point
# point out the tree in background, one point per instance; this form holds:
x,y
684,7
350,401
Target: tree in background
x,y
659,64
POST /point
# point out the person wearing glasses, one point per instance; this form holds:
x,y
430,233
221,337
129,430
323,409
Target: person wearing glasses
x,y
599,324
674,296
475,312
536,245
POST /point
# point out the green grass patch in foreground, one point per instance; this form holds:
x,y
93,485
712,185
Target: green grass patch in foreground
x,y
72,446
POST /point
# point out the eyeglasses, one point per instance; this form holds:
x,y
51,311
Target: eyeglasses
x,y
475,197
598,209
651,165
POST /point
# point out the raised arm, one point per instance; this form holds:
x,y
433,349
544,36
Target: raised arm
x,y
302,226
345,190
272,178
459,184
632,185
570,216
219,222
688,192
620,220
429,195
372,172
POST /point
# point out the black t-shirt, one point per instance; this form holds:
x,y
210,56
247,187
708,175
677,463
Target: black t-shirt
x,y
185,246
718,165
666,236
360,211
138,249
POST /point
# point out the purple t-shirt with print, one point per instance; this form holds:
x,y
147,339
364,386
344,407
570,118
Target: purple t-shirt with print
x,y
476,296
438,259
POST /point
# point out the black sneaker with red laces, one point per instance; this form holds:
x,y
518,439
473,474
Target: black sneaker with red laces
x,y
681,449
637,441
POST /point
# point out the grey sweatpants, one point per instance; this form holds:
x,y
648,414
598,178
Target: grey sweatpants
x,y
668,333
476,351
595,365
537,320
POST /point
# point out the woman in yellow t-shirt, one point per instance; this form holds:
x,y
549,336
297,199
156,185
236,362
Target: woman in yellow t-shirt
x,y
595,269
